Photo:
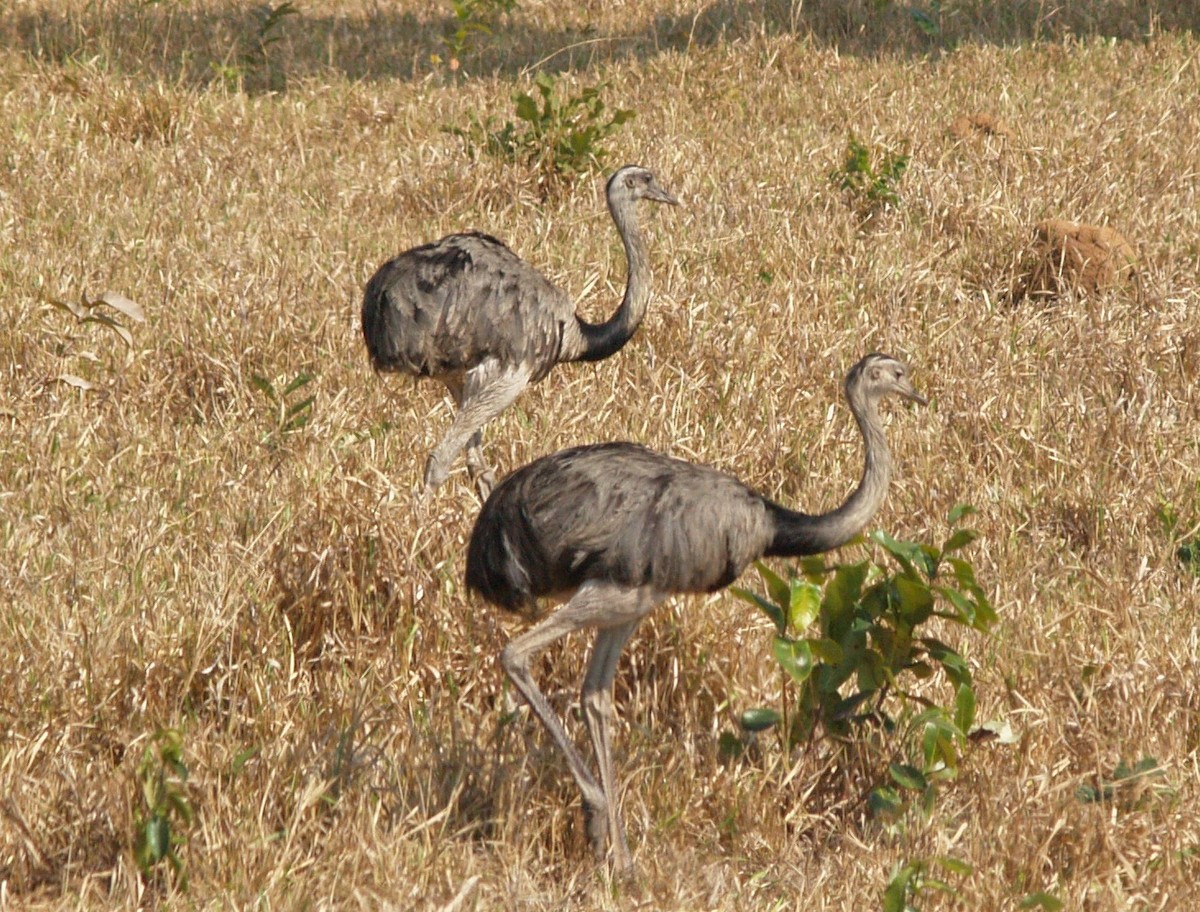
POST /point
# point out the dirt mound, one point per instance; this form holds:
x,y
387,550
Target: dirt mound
x,y
970,125
1070,256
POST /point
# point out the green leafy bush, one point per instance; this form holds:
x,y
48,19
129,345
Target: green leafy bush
x,y
870,177
868,649
471,20
288,413
1187,543
165,812
258,68
913,878
560,136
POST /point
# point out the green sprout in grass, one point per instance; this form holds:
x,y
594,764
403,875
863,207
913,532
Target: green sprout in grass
x,y
870,177
559,134
160,824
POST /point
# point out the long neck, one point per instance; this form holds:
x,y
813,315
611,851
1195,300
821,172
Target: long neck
x,y
599,340
797,534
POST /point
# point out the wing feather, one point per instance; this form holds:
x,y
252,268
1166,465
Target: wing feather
x,y
616,512
449,305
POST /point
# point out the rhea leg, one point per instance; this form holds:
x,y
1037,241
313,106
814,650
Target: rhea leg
x,y
481,474
597,704
616,611
485,392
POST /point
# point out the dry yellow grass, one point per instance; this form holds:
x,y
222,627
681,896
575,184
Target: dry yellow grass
x,y
168,558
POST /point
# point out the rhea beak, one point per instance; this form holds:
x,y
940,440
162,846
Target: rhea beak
x,y
655,191
909,392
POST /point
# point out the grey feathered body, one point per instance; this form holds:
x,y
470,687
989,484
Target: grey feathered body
x,y
619,513
450,305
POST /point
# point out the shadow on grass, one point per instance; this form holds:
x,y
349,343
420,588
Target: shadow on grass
x,y
250,49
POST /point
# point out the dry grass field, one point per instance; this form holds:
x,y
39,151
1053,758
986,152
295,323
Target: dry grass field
x,y
176,552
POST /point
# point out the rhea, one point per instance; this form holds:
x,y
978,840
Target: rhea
x,y
615,528
469,312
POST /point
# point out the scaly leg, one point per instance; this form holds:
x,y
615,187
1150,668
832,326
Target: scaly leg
x,y
487,391
597,703
481,474
616,610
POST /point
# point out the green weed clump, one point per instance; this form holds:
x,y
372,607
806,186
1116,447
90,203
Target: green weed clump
x,y
161,824
471,20
560,135
870,177
854,676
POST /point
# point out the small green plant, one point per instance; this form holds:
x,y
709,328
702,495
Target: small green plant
x,y
868,650
1129,787
1187,544
911,879
258,61
1041,900
288,416
472,19
928,21
870,177
561,136
165,814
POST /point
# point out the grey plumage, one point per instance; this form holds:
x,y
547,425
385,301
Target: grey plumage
x,y
615,528
468,311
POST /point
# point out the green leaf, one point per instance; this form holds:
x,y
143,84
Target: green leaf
x,y
179,804
908,777
813,568
826,650
964,608
242,757
954,865
938,738
770,609
794,656
157,838
1041,900
526,108
264,385
895,896
885,801
841,594
804,604
901,551
729,746
299,407
922,671
964,573
952,663
760,719
909,555
779,591
964,707
959,540
959,511
298,381
916,599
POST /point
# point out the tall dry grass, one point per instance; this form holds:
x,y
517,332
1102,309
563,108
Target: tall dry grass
x,y
170,557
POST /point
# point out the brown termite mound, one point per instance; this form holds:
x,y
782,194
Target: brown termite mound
x,y
1074,257
969,126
